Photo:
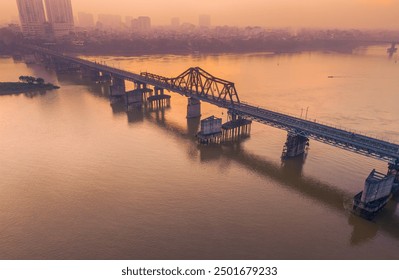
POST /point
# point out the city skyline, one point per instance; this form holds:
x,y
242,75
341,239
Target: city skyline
x,y
369,14
40,18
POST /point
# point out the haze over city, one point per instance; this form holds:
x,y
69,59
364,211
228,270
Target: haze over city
x,y
369,14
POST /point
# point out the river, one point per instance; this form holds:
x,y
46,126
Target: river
x,y
83,180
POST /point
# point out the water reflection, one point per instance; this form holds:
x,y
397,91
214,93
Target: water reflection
x,y
118,108
134,116
97,89
294,166
33,94
363,230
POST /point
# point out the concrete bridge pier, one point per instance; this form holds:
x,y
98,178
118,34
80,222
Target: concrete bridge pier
x,y
393,170
105,77
140,85
375,195
137,97
117,90
159,91
159,99
211,131
193,108
134,99
236,128
294,146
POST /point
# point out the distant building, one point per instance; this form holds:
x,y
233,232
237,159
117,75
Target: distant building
x,y
32,18
141,24
204,21
60,17
14,28
86,20
187,26
14,20
128,20
175,22
107,21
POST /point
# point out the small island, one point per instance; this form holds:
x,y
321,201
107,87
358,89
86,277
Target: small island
x,y
26,84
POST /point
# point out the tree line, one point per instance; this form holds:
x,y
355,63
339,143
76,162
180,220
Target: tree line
x,y
31,80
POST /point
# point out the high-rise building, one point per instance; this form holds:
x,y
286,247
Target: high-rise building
x,y
204,21
60,16
141,24
128,20
32,17
110,22
86,20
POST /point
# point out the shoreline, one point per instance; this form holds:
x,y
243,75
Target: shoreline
x,y
136,53
123,49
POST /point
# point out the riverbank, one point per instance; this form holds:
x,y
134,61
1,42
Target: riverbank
x,y
17,87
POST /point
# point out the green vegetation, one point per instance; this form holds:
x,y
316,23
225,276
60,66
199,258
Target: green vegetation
x,y
26,84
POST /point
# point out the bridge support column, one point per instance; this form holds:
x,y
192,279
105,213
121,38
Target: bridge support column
x,y
375,195
105,77
193,108
294,146
393,169
134,99
159,99
94,75
140,85
117,89
236,128
158,91
211,131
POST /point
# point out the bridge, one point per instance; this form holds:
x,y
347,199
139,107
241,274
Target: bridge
x,y
200,86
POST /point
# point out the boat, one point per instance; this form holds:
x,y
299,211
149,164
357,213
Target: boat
x,y
392,49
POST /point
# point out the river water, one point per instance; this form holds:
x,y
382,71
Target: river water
x,y
83,180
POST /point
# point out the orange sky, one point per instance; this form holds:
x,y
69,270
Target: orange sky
x,y
269,13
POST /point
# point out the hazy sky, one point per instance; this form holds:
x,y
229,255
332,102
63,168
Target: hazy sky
x,y
268,13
